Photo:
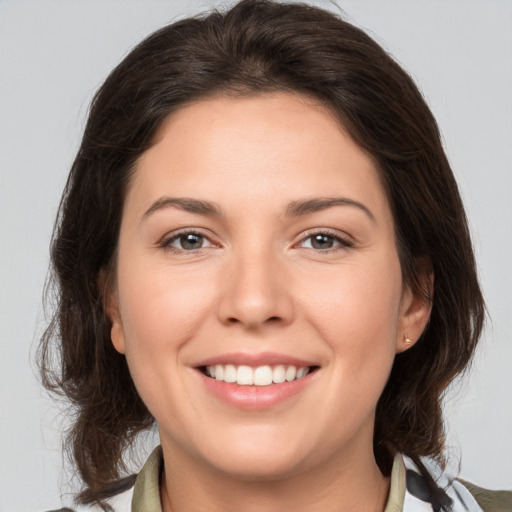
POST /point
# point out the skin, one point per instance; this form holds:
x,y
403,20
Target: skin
x,y
258,284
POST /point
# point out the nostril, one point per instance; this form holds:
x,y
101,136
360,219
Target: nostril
x,y
272,319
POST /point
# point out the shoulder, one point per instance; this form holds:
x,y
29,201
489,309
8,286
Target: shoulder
x,y
428,482
142,491
120,503
490,501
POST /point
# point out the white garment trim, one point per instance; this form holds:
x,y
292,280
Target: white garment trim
x,y
120,503
462,500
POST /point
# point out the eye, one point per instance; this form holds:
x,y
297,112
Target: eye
x,y
324,241
187,242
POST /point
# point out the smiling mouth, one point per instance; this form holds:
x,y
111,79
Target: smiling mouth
x,y
266,375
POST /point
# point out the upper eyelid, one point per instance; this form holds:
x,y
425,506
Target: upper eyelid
x,y
324,231
174,235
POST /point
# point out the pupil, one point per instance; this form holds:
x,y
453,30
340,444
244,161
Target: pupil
x,y
191,241
322,242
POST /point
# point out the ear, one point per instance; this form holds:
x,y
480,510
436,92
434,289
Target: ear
x,y
416,307
110,298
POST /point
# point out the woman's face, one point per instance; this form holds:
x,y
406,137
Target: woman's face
x,y
256,241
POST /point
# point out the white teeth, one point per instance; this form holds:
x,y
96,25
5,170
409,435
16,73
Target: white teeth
x,y
245,376
263,376
260,376
291,373
301,372
229,373
279,374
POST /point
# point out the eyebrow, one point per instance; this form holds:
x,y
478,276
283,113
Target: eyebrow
x,y
304,207
186,204
294,209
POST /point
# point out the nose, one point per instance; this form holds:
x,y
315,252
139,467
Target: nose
x,y
255,292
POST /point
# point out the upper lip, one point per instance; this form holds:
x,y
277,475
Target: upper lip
x,y
255,360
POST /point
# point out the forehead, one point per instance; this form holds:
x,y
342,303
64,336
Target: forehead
x,y
261,148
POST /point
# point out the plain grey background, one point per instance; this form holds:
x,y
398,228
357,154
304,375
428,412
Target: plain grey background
x,y
53,56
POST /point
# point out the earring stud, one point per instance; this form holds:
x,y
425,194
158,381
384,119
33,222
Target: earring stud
x,y
407,341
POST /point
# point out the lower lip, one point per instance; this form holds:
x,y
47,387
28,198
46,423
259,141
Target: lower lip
x,y
253,398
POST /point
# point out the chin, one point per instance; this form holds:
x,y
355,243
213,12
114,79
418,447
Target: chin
x,y
261,468
256,459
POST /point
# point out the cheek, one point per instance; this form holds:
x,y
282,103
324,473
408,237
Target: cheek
x,y
159,309
355,299
356,310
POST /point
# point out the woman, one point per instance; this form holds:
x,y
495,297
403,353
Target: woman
x,y
261,247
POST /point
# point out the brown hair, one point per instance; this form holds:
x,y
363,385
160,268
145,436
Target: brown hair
x,y
257,46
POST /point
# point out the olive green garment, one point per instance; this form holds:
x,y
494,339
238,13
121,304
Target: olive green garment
x,y
490,501
146,492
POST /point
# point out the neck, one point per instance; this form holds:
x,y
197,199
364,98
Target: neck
x,y
343,484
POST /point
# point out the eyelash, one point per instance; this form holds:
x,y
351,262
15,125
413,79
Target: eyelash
x,y
343,243
166,242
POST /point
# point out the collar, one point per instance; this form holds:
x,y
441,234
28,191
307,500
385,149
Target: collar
x,y
146,493
408,490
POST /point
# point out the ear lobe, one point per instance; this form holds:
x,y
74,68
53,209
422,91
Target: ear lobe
x,y
416,309
111,306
